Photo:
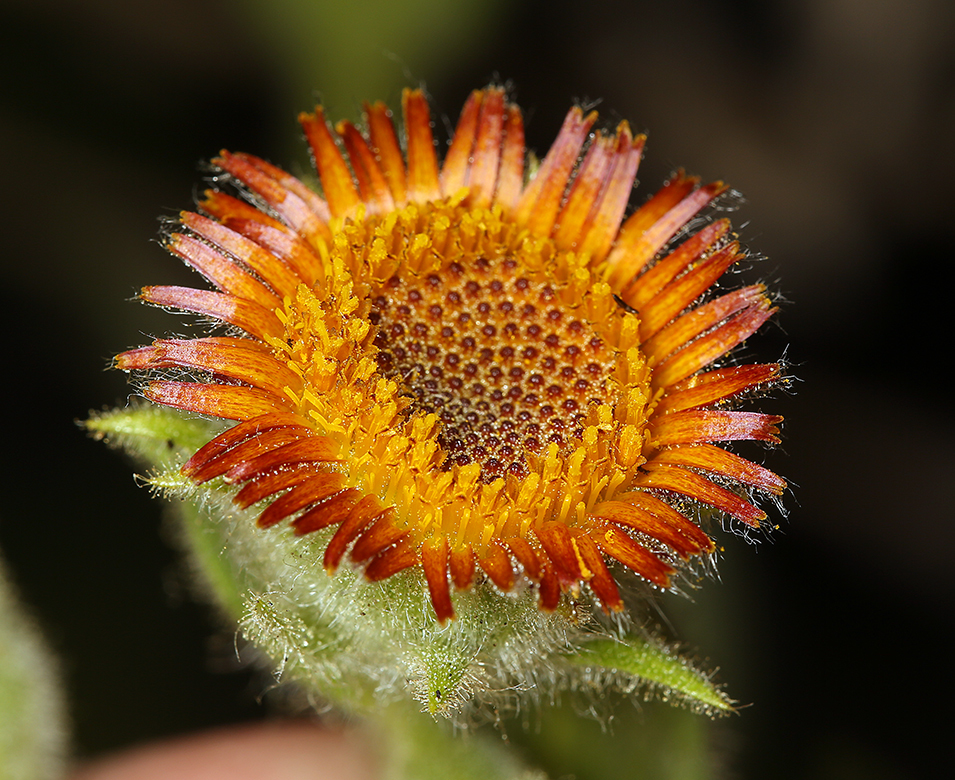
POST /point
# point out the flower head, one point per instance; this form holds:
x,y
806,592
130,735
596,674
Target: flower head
x,y
465,368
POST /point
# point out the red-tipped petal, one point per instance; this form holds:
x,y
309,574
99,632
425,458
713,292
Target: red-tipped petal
x,y
698,487
696,426
718,385
541,200
252,317
462,565
454,173
434,561
718,461
498,567
310,491
712,346
600,580
367,510
337,184
328,513
555,538
402,556
226,401
423,184
634,556
384,143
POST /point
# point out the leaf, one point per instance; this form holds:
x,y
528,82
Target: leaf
x,y
153,434
630,663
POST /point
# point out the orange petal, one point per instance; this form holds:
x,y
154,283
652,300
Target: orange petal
x,y
486,155
264,485
226,401
549,588
573,222
539,204
510,177
309,218
454,174
310,449
696,426
693,250
252,317
225,207
372,185
660,310
462,565
687,327
601,581
555,538
328,513
225,274
402,556
368,509
285,244
712,346
664,513
497,565
654,224
607,213
634,556
337,184
379,535
222,446
423,184
310,491
727,464
526,557
268,267
384,142
718,385
240,359
434,561
315,204
698,487
684,541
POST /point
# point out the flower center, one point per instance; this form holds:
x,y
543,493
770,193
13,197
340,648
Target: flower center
x,y
504,364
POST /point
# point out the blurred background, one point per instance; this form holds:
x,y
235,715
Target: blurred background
x,y
835,119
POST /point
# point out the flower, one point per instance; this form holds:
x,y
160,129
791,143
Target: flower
x,y
467,369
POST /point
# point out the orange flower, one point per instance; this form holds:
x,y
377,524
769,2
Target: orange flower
x,y
464,370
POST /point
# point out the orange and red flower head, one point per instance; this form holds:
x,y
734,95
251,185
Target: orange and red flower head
x,y
465,366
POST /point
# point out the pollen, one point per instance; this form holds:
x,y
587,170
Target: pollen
x,y
500,380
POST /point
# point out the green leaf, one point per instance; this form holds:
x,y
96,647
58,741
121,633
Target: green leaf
x,y
629,663
155,435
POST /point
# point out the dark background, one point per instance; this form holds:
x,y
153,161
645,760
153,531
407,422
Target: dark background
x,y
835,118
